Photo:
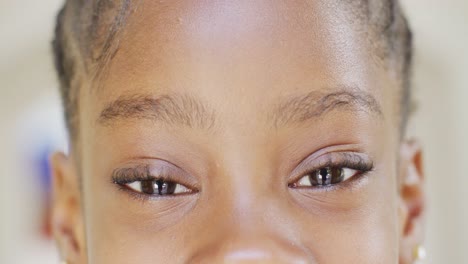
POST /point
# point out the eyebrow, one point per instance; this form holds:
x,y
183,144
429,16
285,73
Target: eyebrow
x,y
188,111
316,104
182,110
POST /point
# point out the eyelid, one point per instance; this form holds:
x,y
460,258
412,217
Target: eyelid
x,y
179,189
349,174
146,172
352,160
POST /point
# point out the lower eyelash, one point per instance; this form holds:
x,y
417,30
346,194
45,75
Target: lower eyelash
x,y
349,185
133,195
142,197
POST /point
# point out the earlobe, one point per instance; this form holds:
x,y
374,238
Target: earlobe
x,y
66,217
412,200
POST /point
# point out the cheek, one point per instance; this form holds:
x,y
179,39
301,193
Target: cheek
x,y
365,239
121,228
359,225
125,230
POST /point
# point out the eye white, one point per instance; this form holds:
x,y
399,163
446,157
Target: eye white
x,y
181,189
136,186
347,174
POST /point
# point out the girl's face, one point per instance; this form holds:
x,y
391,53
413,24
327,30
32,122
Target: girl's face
x,y
240,132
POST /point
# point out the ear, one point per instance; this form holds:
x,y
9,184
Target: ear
x,y
67,220
412,200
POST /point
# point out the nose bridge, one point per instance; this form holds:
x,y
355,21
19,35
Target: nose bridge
x,y
249,216
254,246
251,226
251,178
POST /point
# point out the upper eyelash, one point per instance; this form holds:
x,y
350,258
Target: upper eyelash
x,y
360,165
125,179
348,160
123,176
120,178
140,173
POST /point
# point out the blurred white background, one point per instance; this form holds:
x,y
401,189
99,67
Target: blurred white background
x,y
31,121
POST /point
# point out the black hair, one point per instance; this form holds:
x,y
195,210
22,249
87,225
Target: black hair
x,y
86,38
85,33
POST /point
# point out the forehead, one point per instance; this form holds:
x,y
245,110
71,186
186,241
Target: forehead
x,y
252,52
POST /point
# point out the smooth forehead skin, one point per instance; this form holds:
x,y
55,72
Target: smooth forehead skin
x,y
237,64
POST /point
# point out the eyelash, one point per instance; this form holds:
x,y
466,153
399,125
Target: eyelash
x,y
351,161
126,176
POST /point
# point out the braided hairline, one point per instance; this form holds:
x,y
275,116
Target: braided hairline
x,y
86,40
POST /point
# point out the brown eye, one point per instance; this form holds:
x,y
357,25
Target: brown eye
x,y
325,176
158,187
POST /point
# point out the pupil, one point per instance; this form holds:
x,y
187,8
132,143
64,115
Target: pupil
x,y
326,176
165,187
324,172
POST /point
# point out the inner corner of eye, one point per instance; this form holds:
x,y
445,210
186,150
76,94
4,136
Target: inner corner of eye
x,y
304,181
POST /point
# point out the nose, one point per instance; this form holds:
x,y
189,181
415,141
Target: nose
x,y
248,223
253,248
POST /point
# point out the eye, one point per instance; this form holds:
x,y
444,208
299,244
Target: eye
x,y
158,187
324,177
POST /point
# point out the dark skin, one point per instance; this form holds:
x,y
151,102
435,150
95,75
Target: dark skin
x,y
230,118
